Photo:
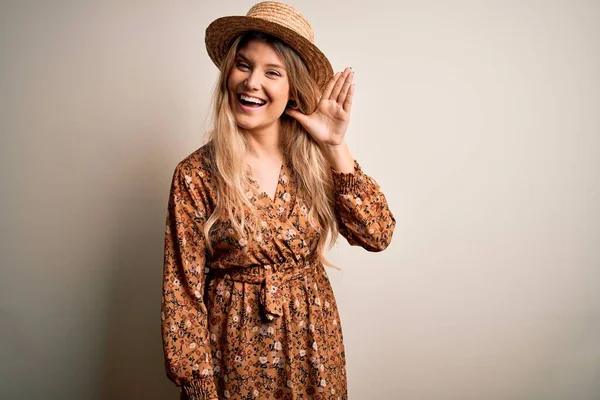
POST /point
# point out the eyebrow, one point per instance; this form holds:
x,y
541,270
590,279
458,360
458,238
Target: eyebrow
x,y
268,65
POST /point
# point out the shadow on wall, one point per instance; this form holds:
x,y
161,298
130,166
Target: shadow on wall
x,y
133,367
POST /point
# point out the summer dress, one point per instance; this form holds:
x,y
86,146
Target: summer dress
x,y
257,318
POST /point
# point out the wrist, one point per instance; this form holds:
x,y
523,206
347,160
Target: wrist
x,y
338,156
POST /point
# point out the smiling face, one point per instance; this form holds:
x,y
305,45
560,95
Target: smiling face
x,y
258,87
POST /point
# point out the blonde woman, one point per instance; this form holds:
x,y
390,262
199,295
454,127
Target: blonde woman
x,y
247,309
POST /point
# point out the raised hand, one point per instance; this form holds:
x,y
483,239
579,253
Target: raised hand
x,y
328,124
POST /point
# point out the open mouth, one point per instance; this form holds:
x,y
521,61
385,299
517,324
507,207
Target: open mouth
x,y
250,102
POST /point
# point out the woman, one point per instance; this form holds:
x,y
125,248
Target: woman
x,y
247,308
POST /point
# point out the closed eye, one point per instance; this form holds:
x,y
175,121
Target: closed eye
x,y
243,66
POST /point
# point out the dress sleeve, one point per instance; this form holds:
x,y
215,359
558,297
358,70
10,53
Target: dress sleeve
x,y
363,215
184,319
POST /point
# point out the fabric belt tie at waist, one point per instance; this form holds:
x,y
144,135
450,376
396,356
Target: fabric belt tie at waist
x,y
271,296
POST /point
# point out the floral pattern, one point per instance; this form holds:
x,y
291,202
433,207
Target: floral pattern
x,y
257,317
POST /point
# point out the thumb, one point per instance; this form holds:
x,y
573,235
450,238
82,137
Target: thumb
x,y
295,114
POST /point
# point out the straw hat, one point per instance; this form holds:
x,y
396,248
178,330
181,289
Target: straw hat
x,y
277,19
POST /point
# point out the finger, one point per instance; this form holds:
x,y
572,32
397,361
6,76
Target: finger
x,y
344,92
297,115
329,87
338,85
348,102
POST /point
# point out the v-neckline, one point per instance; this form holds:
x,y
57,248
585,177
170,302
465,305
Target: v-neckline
x,y
262,192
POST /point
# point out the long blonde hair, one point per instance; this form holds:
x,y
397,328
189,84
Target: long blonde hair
x,y
229,148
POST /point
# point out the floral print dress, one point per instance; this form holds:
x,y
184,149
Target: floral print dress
x,y
257,317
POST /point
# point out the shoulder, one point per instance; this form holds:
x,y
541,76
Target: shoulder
x,y
196,172
198,165
200,160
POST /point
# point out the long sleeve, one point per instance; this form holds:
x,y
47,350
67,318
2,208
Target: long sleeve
x,y
184,319
363,215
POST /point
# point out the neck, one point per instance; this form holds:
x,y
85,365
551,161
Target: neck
x,y
264,143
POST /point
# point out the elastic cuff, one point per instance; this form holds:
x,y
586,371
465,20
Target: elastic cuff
x,y
201,389
347,182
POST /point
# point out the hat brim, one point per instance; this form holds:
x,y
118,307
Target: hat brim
x,y
222,31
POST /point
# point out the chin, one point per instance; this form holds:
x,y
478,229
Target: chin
x,y
245,122
252,123
246,126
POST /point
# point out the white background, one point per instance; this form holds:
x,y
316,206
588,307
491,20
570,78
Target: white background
x,y
480,120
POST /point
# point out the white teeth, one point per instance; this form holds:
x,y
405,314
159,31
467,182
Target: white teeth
x,y
252,99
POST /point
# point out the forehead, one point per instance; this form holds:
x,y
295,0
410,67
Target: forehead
x,y
260,52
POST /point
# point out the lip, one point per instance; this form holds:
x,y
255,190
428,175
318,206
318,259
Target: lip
x,y
251,95
246,108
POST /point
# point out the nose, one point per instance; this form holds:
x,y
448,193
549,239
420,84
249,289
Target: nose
x,y
252,82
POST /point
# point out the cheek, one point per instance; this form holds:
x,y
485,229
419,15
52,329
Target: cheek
x,y
233,80
230,85
280,96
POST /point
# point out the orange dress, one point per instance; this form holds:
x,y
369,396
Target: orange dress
x,y
257,317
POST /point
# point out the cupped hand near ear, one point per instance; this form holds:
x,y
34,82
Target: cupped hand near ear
x,y
328,124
